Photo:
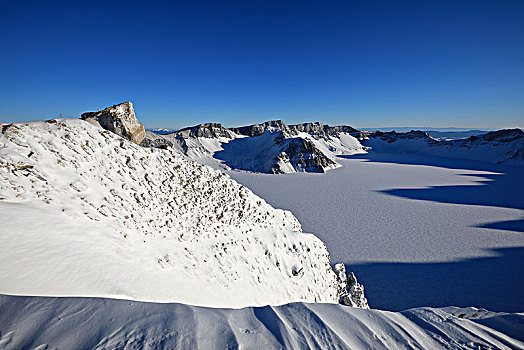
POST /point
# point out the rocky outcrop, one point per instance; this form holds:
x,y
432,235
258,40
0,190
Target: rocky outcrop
x,y
351,293
393,136
157,141
259,129
119,119
207,130
317,130
302,155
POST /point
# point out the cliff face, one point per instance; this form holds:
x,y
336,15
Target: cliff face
x,y
259,129
119,119
302,155
316,129
207,130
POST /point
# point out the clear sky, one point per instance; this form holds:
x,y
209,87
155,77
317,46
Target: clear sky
x,y
359,62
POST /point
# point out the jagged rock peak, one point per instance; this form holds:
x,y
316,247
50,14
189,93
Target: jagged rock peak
x,y
207,130
318,129
302,155
259,129
351,293
119,119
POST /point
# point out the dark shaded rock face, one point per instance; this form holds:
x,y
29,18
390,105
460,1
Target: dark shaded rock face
x,y
153,140
119,119
259,129
207,130
393,136
317,130
302,155
505,135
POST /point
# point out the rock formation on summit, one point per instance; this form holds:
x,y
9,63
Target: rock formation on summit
x,y
119,119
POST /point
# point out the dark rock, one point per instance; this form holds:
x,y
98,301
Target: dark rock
x,y
207,130
153,140
259,129
302,155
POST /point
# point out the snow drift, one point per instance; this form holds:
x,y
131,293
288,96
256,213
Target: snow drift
x,y
92,323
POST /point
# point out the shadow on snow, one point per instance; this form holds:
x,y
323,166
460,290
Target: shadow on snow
x,y
494,283
501,187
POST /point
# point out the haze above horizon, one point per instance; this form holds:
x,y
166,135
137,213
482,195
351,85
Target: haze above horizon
x,y
362,63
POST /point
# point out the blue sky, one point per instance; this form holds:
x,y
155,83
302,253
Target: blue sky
x,y
363,63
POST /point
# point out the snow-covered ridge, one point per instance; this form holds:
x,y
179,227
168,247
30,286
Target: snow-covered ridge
x,y
87,213
274,147
501,146
74,323
270,147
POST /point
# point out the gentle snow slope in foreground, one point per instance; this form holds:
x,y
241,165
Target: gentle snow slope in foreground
x,y
87,213
86,323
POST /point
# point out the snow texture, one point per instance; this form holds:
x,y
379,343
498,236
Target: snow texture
x,y
417,230
88,213
92,323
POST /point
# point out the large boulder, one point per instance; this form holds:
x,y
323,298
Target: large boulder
x,y
119,119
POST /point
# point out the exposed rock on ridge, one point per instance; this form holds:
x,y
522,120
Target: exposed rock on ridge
x,y
119,119
302,155
208,130
259,129
156,141
316,129
270,147
351,293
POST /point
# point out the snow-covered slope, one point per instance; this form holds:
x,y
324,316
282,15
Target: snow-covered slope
x,y
88,323
87,213
501,146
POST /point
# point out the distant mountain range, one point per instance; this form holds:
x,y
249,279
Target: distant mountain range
x,y
438,133
274,147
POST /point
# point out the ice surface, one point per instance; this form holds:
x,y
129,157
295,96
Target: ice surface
x,y
417,230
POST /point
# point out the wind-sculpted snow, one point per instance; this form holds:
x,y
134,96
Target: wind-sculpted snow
x,y
87,213
92,323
